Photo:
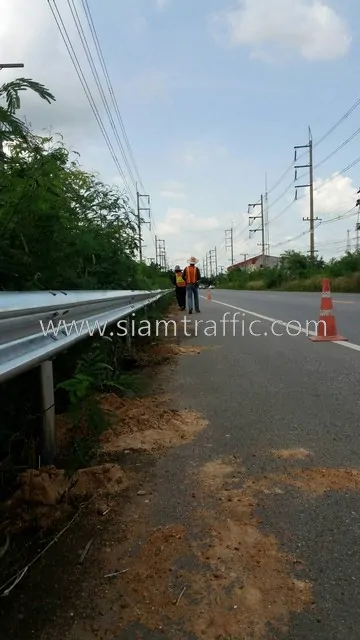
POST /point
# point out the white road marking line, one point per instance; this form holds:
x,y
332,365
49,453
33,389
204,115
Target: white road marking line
x,y
349,345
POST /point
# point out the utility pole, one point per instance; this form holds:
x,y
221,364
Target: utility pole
x,y
245,256
160,253
140,221
348,242
266,220
311,219
262,227
229,242
213,262
357,227
208,264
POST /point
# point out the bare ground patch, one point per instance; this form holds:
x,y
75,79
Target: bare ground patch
x,y
320,480
290,454
250,585
240,581
237,581
147,423
169,349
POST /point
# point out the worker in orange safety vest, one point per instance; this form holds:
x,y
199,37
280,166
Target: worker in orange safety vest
x,y
180,287
191,275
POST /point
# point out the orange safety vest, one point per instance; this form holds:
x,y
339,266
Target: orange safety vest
x,y
191,274
179,280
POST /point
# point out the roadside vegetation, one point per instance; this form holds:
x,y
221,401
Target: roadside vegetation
x,y
298,272
62,227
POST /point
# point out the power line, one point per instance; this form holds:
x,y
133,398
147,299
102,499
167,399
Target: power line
x,y
74,59
348,214
316,144
89,56
338,123
92,28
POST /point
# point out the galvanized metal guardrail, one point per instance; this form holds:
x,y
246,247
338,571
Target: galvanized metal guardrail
x,y
36,326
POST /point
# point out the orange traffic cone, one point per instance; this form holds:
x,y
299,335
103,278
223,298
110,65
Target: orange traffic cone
x,y
208,295
326,330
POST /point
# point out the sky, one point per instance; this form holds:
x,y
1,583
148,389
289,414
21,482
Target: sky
x,y
213,95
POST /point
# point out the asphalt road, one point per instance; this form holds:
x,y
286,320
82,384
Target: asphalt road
x,y
248,555
264,393
301,307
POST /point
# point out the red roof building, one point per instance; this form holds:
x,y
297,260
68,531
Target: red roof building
x,y
257,262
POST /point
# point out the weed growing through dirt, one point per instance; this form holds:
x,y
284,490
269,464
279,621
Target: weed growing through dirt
x,y
92,376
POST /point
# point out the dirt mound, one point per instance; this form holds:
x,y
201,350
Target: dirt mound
x,y
148,424
47,495
44,486
49,486
106,478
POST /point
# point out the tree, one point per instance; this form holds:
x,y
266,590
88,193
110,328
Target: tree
x,y
61,227
294,264
11,127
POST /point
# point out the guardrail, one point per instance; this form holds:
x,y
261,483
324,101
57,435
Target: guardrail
x,y
36,326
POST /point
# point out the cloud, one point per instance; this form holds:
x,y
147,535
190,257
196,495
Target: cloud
x,y
183,221
311,28
172,195
117,181
334,198
149,85
173,190
162,4
39,45
202,152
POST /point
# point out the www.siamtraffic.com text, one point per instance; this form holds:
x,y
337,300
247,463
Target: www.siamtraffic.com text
x,y
235,325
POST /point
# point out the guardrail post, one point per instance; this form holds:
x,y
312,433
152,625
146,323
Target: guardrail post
x,y
48,443
128,333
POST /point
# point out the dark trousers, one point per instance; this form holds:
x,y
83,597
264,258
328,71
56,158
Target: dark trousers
x,y
180,293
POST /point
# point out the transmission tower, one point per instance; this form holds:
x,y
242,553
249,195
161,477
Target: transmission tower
x,y
348,242
213,262
160,253
140,220
229,242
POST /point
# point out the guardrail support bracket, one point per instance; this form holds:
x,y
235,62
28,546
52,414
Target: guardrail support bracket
x,y
48,444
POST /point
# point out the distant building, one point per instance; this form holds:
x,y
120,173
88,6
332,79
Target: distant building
x,y
258,262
